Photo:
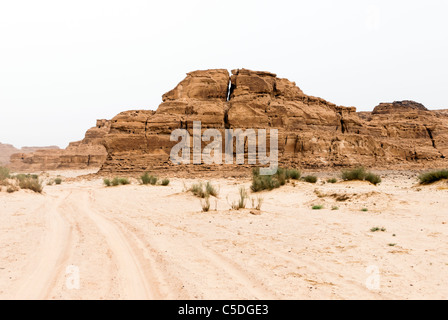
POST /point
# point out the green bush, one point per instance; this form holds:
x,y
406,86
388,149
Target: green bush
x,y
202,191
355,174
281,176
270,182
293,174
124,181
198,190
260,183
146,178
433,176
373,178
310,179
4,173
360,174
31,184
165,182
22,176
153,180
332,180
115,181
318,207
58,180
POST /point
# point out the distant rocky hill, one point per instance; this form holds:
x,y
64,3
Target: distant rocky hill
x,y
87,153
6,150
313,133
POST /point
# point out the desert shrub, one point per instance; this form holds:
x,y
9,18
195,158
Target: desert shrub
x,y
31,184
373,178
202,190
360,174
4,173
242,201
260,183
376,229
148,179
355,174
364,209
205,203
281,176
293,174
58,180
318,207
433,176
243,198
270,182
145,178
153,180
115,182
310,179
210,190
165,182
12,189
332,180
334,208
124,181
198,190
257,203
21,176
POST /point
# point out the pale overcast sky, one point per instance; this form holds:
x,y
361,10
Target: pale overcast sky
x,y
64,64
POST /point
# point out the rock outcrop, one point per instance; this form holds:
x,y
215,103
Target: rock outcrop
x,y
7,150
313,133
85,154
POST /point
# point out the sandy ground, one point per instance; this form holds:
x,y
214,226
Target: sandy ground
x,y
153,242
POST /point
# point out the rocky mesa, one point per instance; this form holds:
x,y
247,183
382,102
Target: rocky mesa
x,y
7,150
84,154
313,133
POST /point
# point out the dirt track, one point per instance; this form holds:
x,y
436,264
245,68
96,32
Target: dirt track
x,y
138,242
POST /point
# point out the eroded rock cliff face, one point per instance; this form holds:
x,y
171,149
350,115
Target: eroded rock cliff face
x,y
7,150
84,154
313,133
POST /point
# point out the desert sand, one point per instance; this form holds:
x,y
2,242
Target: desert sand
x,y
154,242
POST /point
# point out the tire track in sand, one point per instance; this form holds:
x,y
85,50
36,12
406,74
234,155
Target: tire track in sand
x,y
215,261
47,264
134,281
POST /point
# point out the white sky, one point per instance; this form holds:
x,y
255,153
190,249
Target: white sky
x,y
64,64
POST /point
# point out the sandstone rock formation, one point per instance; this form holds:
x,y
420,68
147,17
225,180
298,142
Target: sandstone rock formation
x,y
88,153
6,150
313,133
